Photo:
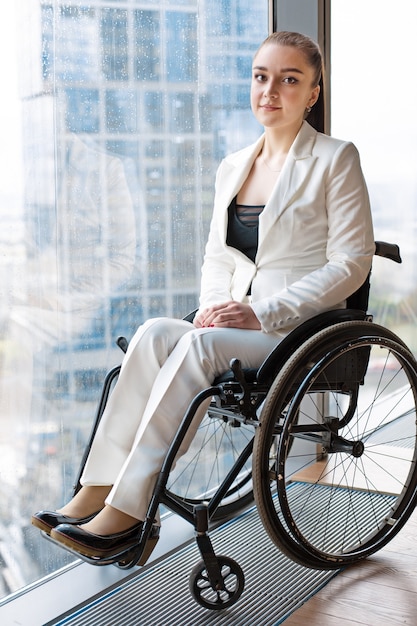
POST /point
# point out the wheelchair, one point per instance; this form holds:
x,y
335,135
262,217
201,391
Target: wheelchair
x,y
322,437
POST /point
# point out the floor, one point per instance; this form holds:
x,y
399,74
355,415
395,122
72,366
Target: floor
x,y
380,591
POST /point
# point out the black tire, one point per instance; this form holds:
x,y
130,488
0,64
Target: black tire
x,y
219,594
346,479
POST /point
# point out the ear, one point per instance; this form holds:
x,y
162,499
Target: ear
x,y
314,96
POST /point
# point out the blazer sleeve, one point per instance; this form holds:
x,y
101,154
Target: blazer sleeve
x,y
349,250
219,265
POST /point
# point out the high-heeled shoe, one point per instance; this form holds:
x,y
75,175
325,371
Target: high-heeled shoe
x,y
104,546
47,520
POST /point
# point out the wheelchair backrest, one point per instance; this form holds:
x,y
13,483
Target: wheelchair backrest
x,y
359,300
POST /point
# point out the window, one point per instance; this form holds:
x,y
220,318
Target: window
x,y
373,100
147,45
123,112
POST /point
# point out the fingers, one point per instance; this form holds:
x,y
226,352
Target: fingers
x,y
208,317
197,321
228,315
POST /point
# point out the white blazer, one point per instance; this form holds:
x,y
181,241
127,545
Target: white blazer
x,y
316,240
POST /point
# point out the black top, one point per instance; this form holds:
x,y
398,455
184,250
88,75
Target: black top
x,y
242,228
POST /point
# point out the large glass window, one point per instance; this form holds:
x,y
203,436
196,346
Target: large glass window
x,y
373,100
110,141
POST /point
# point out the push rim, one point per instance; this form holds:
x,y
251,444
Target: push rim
x,y
307,508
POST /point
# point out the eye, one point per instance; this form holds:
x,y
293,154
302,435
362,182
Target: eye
x,y
290,80
259,77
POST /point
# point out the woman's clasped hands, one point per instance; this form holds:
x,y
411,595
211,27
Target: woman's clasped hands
x,y
228,315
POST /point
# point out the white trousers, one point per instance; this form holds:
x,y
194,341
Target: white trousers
x,y
167,363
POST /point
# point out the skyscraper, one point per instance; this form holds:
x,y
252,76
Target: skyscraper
x,y
128,107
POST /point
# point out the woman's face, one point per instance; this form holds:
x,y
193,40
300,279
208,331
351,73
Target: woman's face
x,y
282,87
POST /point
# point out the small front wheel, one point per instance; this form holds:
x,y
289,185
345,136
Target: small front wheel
x,y
219,594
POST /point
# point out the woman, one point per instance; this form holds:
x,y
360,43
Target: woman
x,y
291,236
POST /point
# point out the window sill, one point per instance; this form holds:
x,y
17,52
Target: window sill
x,y
77,583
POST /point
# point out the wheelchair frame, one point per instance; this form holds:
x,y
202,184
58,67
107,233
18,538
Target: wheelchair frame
x,y
306,362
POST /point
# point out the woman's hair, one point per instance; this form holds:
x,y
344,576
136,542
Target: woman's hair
x,y
314,58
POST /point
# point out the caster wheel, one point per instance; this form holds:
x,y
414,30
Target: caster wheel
x,y
226,591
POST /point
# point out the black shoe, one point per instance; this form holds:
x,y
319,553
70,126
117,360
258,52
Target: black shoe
x,y
104,546
47,520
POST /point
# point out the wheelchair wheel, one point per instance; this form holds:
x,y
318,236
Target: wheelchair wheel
x,y
222,594
218,444
345,479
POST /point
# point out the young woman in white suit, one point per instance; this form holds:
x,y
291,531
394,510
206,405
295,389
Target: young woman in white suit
x,y
291,236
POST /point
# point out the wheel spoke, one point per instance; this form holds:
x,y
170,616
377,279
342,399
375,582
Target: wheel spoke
x,y
348,482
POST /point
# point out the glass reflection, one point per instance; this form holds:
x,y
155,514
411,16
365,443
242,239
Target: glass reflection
x,y
126,111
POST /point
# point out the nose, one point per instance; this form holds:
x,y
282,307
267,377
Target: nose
x,y
271,91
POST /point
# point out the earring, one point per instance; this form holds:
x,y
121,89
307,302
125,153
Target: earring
x,y
308,109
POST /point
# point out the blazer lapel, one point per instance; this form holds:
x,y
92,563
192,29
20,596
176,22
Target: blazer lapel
x,y
296,167
236,168
238,165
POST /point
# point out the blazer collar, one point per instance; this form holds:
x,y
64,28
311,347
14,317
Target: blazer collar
x,y
302,146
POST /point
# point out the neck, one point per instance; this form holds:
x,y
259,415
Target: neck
x,y
278,141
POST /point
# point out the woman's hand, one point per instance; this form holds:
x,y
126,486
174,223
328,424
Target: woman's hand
x,y
228,315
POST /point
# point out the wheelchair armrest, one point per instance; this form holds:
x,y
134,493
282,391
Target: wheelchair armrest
x,y
280,355
388,251
190,316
